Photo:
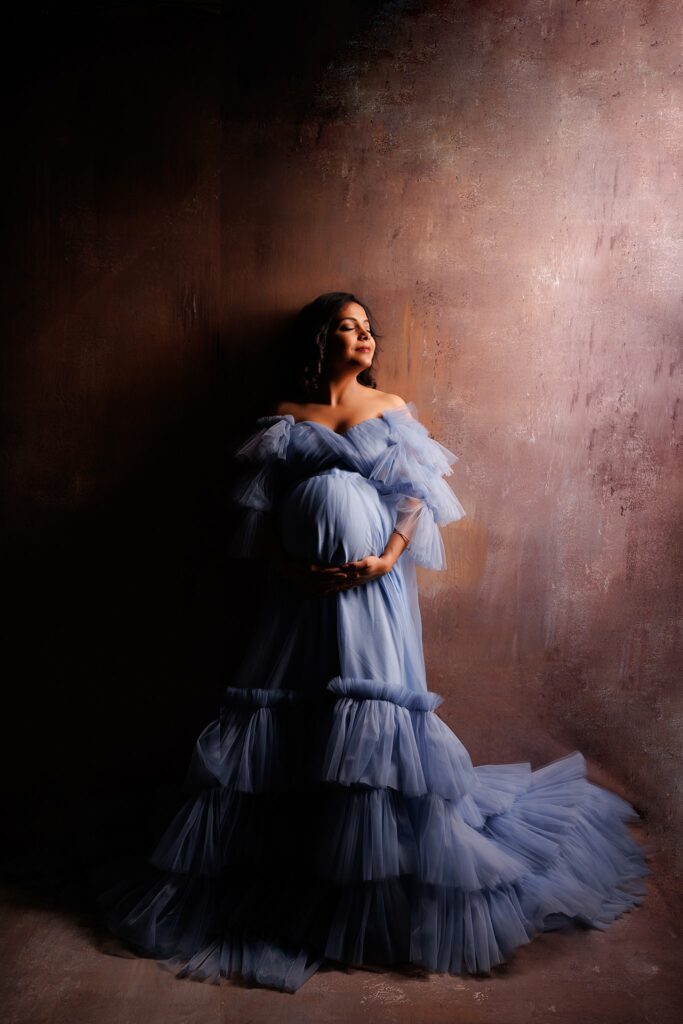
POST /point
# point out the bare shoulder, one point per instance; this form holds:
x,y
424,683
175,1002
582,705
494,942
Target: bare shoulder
x,y
283,408
390,401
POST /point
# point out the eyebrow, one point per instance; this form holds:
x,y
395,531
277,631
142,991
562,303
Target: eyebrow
x,y
365,321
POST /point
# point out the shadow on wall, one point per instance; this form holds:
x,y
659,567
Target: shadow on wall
x,y
126,619
123,623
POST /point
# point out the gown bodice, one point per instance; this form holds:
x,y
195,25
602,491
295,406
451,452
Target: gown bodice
x,y
393,452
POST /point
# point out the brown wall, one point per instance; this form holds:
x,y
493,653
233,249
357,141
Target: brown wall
x,y
502,182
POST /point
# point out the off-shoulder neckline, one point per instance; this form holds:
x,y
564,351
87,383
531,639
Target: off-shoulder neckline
x,y
383,417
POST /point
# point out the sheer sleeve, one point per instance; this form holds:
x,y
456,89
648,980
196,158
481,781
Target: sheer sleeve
x,y
264,453
410,472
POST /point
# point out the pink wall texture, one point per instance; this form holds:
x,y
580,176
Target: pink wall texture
x,y
502,182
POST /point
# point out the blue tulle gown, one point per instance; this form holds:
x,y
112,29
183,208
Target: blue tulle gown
x,y
330,814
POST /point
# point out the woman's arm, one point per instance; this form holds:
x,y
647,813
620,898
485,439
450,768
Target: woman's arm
x,y
316,579
364,570
396,545
321,579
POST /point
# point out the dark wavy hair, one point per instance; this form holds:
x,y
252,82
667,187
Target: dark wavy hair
x,y
305,343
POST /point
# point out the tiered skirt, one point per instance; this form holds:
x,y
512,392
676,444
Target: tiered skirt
x,y
351,826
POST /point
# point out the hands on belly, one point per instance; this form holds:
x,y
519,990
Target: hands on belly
x,y
331,579
321,579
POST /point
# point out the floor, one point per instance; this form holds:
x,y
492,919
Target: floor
x,y
58,967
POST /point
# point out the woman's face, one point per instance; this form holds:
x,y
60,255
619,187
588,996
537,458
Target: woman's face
x,y
351,340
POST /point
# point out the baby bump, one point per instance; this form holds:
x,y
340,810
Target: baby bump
x,y
332,517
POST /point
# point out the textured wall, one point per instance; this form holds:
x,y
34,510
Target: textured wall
x,y
502,182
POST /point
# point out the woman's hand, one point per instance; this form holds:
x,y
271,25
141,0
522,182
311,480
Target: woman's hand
x,y
365,570
371,568
322,579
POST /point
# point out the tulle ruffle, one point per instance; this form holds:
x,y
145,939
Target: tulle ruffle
x,y
351,825
255,489
402,461
263,448
411,471
384,735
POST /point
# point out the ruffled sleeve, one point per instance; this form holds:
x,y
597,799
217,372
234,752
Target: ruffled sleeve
x,y
264,453
410,473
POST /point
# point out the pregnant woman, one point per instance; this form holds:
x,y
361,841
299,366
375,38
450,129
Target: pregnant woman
x,y
331,816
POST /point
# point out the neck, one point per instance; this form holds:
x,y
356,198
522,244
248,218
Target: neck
x,y
339,390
